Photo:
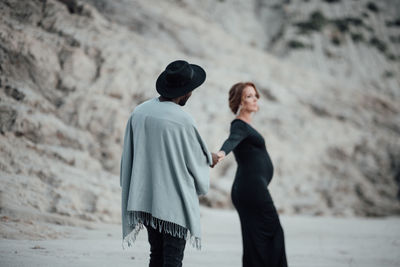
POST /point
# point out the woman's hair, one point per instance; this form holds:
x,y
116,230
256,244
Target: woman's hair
x,y
235,95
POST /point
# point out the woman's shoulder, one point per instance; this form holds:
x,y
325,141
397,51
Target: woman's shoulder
x,y
239,125
242,125
238,122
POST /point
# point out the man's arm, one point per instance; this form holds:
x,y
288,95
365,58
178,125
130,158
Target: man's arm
x,y
127,155
198,162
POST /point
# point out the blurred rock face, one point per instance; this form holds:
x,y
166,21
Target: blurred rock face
x,y
328,73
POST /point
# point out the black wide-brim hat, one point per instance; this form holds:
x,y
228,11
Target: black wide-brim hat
x,y
179,78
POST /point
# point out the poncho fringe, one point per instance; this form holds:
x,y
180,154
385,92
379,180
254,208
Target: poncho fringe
x,y
137,220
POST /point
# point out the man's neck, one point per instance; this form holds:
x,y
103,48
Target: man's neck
x,y
175,100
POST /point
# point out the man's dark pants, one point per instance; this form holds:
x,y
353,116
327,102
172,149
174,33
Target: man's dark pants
x,y
165,250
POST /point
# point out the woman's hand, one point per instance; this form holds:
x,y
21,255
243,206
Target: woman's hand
x,y
221,155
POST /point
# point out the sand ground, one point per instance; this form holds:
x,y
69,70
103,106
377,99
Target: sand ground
x,y
310,241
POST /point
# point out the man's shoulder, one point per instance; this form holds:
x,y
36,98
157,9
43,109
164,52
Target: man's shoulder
x,y
144,105
165,112
186,118
181,118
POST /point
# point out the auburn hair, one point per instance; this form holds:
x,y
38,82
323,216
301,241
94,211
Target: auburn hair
x,y
236,94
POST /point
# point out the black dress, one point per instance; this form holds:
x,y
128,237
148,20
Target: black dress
x,y
263,238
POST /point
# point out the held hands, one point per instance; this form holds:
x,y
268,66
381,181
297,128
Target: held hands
x,y
217,157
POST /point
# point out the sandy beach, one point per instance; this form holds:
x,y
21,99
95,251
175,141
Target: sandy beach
x,y
310,241
327,78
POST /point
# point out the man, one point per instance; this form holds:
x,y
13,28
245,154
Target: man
x,y
164,167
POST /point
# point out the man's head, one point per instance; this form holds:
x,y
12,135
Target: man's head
x,y
179,79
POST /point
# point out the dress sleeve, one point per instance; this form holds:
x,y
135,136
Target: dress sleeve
x,y
238,132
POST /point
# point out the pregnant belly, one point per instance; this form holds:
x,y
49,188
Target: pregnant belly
x,y
255,168
250,192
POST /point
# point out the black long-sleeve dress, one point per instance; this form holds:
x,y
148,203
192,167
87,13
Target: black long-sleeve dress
x,y
262,234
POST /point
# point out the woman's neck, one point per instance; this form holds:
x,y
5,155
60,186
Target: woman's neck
x,y
246,116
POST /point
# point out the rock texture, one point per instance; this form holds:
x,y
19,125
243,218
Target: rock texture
x,y
72,71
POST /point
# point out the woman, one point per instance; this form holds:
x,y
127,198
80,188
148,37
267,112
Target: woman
x,y
262,234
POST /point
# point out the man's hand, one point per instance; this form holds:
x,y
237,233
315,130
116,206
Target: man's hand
x,y
217,157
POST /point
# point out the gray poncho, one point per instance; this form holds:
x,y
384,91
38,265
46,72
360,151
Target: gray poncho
x,y
164,167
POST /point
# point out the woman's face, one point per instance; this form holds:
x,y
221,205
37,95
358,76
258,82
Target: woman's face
x,y
249,99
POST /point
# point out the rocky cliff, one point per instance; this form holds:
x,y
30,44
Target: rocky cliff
x,y
72,71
